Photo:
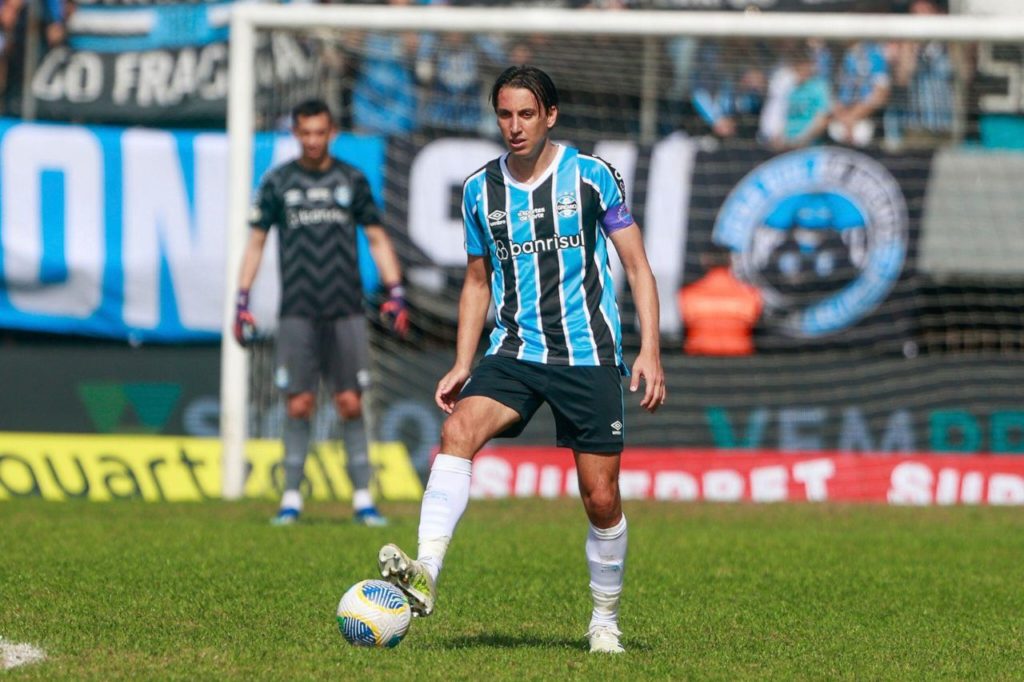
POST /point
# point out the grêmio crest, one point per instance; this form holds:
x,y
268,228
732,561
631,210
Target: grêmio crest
x,y
822,232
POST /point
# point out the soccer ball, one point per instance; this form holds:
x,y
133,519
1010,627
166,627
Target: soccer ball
x,y
374,613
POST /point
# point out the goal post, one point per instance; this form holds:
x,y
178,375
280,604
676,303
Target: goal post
x,y
645,26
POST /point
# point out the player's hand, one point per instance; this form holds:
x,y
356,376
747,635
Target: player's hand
x,y
395,311
448,388
648,368
245,323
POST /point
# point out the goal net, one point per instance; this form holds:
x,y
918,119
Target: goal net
x,y
855,175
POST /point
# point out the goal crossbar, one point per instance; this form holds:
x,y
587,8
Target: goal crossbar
x,y
635,22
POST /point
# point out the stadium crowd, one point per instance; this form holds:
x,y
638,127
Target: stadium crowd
x,y
783,94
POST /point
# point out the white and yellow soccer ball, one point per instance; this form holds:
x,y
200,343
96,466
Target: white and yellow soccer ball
x,y
374,613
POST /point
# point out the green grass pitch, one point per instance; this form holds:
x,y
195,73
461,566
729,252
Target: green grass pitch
x,y
211,591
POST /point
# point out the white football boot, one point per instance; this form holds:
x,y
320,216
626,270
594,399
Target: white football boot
x,y
604,639
410,576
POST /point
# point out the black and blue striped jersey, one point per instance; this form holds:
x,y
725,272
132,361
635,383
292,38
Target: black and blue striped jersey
x,y
548,247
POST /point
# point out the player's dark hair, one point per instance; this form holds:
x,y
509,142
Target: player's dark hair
x,y
311,107
529,78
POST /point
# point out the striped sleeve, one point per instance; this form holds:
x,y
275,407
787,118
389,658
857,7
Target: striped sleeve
x,y
615,213
476,244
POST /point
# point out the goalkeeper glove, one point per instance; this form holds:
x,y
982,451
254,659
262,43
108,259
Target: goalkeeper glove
x,y
245,323
395,310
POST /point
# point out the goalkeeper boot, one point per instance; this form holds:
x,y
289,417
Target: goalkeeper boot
x,y
286,516
369,516
410,576
604,639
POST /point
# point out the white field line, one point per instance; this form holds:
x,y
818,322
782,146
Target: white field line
x,y
13,654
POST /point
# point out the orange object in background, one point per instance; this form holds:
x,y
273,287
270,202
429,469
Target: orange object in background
x,y
719,313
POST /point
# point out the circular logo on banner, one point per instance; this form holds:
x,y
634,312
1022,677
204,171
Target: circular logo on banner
x,y
822,232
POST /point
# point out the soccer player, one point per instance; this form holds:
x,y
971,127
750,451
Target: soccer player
x,y
317,203
538,221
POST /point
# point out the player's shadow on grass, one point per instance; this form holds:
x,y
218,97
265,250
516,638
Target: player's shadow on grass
x,y
512,641
501,640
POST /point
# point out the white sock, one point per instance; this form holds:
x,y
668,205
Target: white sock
x,y
361,499
292,499
606,557
444,501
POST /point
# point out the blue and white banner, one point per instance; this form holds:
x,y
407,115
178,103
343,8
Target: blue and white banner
x,y
148,26
121,232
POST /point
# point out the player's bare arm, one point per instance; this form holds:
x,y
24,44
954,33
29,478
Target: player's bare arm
x,y
630,247
383,252
473,304
251,258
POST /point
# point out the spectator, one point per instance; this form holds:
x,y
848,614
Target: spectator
x,y
13,16
863,90
450,68
14,23
923,103
728,87
676,107
384,93
797,108
718,310
55,16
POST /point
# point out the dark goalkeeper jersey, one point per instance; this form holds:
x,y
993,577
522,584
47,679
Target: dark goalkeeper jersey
x,y
317,215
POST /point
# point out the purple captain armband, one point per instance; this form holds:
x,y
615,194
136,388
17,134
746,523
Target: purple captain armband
x,y
616,218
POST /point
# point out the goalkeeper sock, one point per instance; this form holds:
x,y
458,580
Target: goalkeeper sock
x,y
606,557
444,501
296,445
357,458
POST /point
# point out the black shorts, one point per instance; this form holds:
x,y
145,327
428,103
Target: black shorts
x,y
586,401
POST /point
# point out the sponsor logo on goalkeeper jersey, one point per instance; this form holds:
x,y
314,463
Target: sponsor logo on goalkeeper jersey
x,y
504,250
304,217
822,232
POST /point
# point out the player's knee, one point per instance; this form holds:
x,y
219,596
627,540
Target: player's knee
x,y
457,434
603,504
349,405
301,406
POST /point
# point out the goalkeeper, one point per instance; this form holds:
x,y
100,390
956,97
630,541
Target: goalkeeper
x,y
317,202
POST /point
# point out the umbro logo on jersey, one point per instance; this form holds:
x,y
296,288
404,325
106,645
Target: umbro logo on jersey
x,y
292,197
616,428
496,218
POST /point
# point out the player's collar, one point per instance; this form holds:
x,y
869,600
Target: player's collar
x,y
510,179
